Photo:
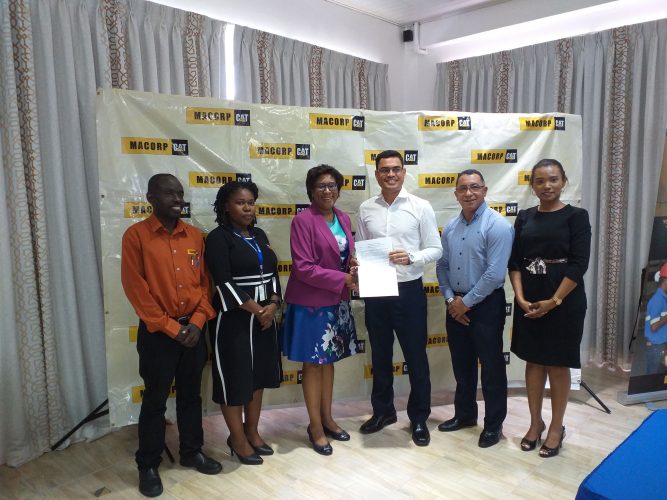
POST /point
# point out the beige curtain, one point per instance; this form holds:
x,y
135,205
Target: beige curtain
x,y
616,80
278,70
54,54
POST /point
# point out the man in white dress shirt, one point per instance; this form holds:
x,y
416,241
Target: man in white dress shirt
x,y
410,222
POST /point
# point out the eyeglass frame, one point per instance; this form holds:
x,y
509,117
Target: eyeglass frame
x,y
329,186
473,188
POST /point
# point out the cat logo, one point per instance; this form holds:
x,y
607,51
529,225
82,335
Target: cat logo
x,y
284,267
431,123
508,309
493,156
138,392
279,151
506,209
431,289
542,123
354,183
154,146
506,355
400,368
337,122
216,179
524,178
444,180
361,346
217,116
410,156
437,340
292,377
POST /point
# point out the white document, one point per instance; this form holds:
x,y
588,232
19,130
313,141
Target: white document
x,y
377,276
373,251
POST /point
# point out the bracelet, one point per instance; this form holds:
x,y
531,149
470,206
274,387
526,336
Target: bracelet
x,y
557,300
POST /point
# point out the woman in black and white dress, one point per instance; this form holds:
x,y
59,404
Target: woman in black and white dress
x,y
246,357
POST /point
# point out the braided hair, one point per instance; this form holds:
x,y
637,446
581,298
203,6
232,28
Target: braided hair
x,y
223,196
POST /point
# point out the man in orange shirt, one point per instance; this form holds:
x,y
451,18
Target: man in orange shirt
x,y
163,275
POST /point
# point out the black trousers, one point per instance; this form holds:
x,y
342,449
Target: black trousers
x,y
161,360
405,315
483,339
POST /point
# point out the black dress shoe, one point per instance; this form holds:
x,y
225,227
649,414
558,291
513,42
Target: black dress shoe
x,y
262,449
377,423
325,450
203,464
150,484
456,423
420,434
489,438
338,436
252,459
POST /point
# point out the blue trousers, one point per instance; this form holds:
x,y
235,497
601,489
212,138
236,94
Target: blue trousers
x,y
482,339
405,315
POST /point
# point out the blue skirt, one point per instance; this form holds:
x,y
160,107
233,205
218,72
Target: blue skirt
x,y
319,335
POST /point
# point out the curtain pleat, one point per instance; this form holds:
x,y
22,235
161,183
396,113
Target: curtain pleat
x,y
278,70
616,81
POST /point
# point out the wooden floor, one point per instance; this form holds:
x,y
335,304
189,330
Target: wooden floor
x,y
383,465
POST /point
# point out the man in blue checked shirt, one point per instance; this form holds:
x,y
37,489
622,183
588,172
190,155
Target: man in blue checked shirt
x,y
476,247
655,326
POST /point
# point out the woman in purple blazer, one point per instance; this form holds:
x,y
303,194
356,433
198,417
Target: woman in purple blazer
x,y
318,328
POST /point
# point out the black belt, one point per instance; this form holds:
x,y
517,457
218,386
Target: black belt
x,y
184,320
461,294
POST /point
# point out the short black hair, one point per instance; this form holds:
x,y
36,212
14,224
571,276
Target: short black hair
x,y
470,171
388,153
156,180
545,162
317,172
224,193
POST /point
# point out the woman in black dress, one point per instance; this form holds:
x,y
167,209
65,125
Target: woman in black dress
x,y
549,258
246,357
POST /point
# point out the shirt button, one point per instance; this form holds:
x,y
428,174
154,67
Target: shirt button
x,y
459,254
175,250
178,268
180,286
458,269
182,302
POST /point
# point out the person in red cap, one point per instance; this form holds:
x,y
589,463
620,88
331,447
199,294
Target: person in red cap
x,y
655,326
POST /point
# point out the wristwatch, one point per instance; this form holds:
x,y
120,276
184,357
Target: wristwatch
x,y
449,300
411,258
276,302
557,300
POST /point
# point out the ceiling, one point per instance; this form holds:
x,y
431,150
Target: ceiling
x,y
403,13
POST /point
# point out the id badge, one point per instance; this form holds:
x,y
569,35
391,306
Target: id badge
x,y
262,293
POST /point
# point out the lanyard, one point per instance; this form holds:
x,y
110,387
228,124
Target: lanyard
x,y
252,243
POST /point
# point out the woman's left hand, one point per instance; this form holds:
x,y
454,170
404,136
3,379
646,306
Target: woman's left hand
x,y
539,309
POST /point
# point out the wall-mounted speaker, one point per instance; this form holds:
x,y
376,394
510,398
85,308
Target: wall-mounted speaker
x,y
408,35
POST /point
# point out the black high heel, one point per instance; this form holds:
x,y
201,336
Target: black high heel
x,y
528,445
252,459
338,436
325,450
262,449
546,452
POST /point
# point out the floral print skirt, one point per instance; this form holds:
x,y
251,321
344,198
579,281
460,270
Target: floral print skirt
x,y
319,335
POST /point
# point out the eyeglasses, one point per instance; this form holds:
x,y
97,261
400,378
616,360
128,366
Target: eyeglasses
x,y
474,188
388,170
331,186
